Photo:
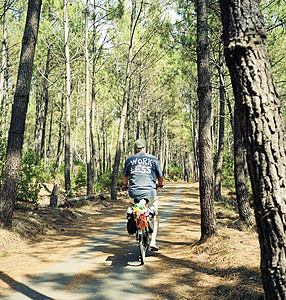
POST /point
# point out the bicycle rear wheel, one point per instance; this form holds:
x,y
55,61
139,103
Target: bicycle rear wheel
x,y
143,245
142,252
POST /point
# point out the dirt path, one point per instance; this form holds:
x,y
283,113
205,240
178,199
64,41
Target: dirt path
x,y
86,261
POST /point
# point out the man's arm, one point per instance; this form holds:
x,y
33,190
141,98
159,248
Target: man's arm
x,y
160,181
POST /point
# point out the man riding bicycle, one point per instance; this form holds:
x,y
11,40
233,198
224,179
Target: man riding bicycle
x,y
142,170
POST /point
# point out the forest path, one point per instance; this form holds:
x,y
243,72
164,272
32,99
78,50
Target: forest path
x,y
105,267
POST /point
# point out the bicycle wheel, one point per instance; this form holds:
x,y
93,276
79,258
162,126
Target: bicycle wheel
x,y
142,249
143,245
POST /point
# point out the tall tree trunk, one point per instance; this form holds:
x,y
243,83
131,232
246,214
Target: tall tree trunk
x,y
4,59
50,130
134,20
110,149
74,149
87,109
60,133
194,124
160,150
208,219
19,110
166,150
261,115
98,140
68,99
241,188
138,125
219,163
46,104
103,143
37,130
155,135
93,102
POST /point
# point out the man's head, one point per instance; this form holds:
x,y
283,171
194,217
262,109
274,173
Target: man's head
x,y
140,145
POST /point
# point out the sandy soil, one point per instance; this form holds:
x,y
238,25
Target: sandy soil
x,y
224,267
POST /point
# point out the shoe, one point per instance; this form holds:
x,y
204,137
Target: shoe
x,y
154,247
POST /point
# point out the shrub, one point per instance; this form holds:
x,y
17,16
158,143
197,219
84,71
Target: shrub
x,y
32,174
175,172
104,181
80,177
227,175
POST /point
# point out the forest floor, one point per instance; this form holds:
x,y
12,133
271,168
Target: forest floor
x,y
224,267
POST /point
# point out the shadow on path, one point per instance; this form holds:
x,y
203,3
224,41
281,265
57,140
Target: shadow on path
x,y
22,288
106,267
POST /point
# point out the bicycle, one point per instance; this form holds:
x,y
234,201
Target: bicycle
x,y
143,216
143,224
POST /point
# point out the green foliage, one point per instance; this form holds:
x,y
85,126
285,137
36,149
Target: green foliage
x,y
175,172
116,11
32,174
80,177
227,175
104,181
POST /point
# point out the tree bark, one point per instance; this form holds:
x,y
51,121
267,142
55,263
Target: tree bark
x,y
93,102
59,147
261,115
218,170
37,130
194,124
45,106
208,219
50,131
68,99
4,59
240,177
89,190
19,110
155,135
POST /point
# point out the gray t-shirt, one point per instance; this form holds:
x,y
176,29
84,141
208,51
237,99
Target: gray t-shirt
x,y
142,169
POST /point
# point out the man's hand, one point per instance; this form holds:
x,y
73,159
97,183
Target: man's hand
x,y
159,186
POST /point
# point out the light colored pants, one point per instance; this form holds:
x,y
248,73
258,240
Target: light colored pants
x,y
153,204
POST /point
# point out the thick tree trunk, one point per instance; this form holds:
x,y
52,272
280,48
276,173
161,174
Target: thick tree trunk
x,y
89,190
241,188
68,99
19,110
261,116
208,219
